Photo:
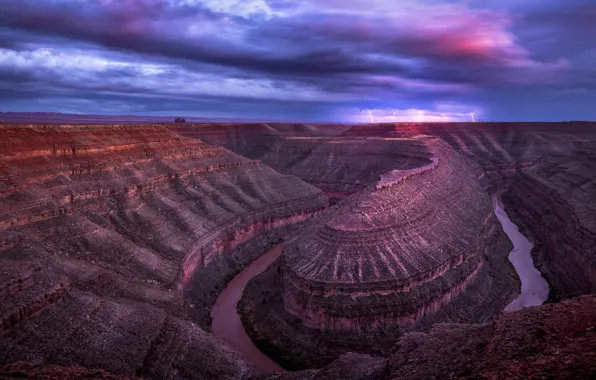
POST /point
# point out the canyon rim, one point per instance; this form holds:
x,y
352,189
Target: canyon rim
x,y
379,247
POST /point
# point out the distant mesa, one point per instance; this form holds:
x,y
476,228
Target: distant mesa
x,y
180,120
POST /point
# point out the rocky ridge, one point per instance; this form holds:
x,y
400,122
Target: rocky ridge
x,y
102,229
356,278
545,171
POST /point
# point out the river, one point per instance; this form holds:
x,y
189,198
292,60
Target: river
x,y
228,327
226,323
534,288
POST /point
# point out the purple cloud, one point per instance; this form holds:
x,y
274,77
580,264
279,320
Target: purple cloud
x,y
335,52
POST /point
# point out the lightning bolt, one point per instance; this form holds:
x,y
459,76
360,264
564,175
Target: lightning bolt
x,y
371,119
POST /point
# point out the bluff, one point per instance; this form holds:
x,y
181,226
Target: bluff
x,y
546,174
317,154
103,229
419,247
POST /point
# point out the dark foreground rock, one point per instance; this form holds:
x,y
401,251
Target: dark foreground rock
x,y
555,341
22,370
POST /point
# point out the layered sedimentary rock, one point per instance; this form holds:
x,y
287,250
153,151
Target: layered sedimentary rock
x,y
115,239
21,370
554,202
419,247
344,166
556,341
102,229
546,171
340,166
254,140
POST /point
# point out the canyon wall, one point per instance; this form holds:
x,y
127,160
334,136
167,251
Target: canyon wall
x,y
546,173
102,229
419,247
340,166
554,202
556,341
115,241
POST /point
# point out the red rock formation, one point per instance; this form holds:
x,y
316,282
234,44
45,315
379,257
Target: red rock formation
x,y
544,342
113,237
120,218
556,341
339,166
548,169
414,249
23,370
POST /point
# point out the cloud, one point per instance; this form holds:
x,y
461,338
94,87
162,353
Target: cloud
x,y
328,51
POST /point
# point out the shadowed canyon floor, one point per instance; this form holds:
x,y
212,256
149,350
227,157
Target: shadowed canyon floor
x,y
125,248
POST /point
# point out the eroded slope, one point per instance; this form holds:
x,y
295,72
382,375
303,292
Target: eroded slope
x,y
548,170
422,246
102,229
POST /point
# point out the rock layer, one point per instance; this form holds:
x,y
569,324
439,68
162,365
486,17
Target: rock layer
x,y
555,341
340,166
417,248
102,229
546,171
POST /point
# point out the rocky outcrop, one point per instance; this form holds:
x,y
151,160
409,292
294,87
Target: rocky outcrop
x,y
556,341
116,240
122,217
415,249
25,292
563,227
121,337
23,370
340,166
546,171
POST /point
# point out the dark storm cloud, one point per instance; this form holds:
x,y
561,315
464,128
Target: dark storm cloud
x,y
305,44
152,27
289,52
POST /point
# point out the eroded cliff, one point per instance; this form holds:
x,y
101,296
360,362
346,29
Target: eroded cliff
x,y
419,247
546,171
102,229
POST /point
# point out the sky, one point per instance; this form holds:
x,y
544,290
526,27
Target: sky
x,y
302,60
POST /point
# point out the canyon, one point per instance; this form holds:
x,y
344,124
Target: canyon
x,y
125,249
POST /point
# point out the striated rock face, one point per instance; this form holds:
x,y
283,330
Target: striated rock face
x,y
122,337
22,370
340,166
116,240
559,215
344,166
417,248
102,229
555,341
25,292
255,140
548,169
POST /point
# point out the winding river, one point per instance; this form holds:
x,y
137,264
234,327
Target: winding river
x,y
534,288
228,326
226,323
